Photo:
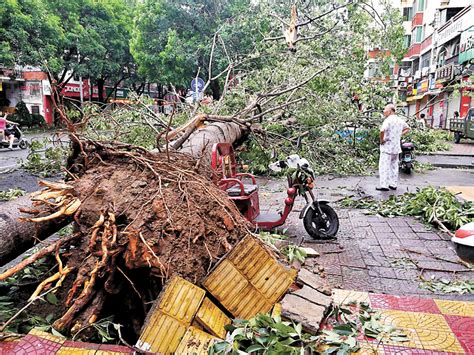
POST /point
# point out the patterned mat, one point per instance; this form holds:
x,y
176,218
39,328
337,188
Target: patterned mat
x,y
433,326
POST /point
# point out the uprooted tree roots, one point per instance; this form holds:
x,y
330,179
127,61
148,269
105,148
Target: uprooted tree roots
x,y
139,218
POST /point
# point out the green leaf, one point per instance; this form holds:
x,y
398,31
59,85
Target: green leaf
x,y
343,329
51,298
254,347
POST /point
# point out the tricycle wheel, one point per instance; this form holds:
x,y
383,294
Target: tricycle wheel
x,y
321,225
457,137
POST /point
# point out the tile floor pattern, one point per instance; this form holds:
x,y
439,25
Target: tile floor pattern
x,y
41,343
433,326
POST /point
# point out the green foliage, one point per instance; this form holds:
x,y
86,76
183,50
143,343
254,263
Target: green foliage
x,y
10,303
290,251
430,204
294,253
429,140
347,322
252,154
11,194
105,331
265,334
45,160
460,287
22,115
127,125
28,33
171,39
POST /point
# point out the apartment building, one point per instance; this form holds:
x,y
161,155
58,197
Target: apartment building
x,y
434,76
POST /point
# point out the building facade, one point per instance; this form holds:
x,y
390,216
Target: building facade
x,y
30,85
434,76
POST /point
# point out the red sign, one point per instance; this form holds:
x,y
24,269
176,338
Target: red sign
x,y
74,90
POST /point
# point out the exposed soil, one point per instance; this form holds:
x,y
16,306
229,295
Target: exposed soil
x,y
143,218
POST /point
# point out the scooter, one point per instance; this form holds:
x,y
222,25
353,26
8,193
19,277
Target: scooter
x,y
319,218
407,157
464,241
19,141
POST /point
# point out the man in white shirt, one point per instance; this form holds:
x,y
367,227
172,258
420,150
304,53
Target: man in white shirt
x,y
392,129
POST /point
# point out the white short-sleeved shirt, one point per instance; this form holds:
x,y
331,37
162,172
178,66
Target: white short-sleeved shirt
x,y
392,127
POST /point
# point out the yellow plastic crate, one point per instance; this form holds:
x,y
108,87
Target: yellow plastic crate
x,y
170,316
195,341
212,319
249,280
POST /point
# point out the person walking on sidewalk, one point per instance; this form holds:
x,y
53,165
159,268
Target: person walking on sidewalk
x,y
393,127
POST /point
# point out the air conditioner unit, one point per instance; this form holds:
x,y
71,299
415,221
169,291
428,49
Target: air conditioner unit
x,y
432,68
410,80
394,77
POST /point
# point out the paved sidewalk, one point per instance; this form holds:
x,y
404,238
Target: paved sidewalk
x,y
38,342
465,147
448,161
389,255
433,326
372,253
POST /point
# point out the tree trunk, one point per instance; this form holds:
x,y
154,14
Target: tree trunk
x,y
17,236
216,89
100,89
200,142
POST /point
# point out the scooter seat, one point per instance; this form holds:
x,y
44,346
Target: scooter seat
x,y
408,146
235,189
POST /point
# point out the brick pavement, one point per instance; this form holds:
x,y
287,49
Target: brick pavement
x,y
375,254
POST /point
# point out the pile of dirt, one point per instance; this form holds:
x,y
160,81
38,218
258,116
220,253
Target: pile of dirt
x,y
139,218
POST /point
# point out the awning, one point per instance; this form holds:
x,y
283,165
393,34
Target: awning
x,y
414,98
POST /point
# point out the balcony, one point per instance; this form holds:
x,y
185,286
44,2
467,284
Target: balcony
x,y
459,23
414,51
426,43
417,20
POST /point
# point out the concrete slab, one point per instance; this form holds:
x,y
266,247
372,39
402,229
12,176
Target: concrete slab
x,y
302,311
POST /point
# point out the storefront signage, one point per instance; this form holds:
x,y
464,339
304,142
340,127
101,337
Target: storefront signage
x,y
466,46
453,28
445,73
432,82
422,87
46,87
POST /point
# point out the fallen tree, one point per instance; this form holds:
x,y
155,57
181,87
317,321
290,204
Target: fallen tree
x,y
139,218
17,235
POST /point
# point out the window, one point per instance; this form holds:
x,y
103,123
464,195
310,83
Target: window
x,y
421,5
35,110
35,89
442,58
425,60
417,34
407,13
406,41
455,50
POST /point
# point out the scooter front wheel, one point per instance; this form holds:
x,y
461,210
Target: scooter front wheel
x,y
23,144
321,225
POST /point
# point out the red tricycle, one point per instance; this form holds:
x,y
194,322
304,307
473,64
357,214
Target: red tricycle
x,y
319,219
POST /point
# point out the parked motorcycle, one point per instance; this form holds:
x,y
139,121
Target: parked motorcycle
x,y
19,141
407,157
